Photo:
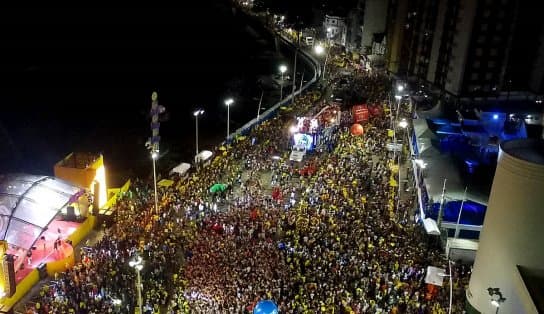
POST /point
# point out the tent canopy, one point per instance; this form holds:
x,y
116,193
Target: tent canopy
x,y
28,203
435,276
181,169
430,226
218,187
204,155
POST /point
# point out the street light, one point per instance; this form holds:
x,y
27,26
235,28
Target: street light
x,y
319,50
228,102
403,123
451,284
400,88
197,113
283,69
138,264
154,157
499,300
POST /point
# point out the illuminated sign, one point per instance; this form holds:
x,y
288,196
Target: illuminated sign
x,y
302,139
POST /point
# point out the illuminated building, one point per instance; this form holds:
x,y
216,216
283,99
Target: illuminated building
x,y
87,171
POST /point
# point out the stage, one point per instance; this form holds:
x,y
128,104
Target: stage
x,y
44,251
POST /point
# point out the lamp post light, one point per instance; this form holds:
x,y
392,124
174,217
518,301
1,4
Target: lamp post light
x,y
154,157
283,69
228,102
320,50
138,264
451,284
496,302
403,124
197,113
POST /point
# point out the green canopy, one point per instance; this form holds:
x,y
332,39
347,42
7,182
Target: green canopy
x,y
218,187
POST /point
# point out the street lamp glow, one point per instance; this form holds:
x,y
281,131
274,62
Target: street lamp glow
x,y
495,303
319,49
403,123
198,112
400,88
154,155
283,69
229,101
398,97
329,29
116,302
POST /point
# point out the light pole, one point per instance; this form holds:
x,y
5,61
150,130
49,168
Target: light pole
x,y
154,156
320,50
403,125
197,113
228,102
138,264
283,68
451,284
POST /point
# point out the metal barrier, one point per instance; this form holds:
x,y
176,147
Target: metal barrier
x,y
287,100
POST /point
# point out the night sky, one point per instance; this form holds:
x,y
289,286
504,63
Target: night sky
x,y
81,80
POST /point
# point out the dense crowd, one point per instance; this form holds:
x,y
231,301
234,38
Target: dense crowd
x,y
334,241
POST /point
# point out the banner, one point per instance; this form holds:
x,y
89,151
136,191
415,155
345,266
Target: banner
x,y
360,113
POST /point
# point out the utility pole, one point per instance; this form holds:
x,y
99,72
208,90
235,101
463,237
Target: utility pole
x,y
441,210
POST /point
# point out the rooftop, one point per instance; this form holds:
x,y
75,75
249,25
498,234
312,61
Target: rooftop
x,y
528,150
28,203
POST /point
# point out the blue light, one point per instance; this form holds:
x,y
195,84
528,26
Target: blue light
x,y
495,116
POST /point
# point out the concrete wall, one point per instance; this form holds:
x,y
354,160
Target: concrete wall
x,y
513,232
461,44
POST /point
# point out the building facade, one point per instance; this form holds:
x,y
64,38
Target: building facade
x,y
467,48
335,29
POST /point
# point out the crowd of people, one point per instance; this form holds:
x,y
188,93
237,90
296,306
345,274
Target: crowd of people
x,y
337,240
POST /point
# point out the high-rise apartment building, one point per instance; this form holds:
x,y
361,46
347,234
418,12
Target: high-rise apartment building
x,y
468,48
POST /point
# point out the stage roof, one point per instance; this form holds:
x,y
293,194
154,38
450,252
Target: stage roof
x,y
28,203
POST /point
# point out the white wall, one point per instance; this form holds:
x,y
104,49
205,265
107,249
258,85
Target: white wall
x,y
513,232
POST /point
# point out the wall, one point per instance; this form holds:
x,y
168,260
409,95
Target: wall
x,y
512,234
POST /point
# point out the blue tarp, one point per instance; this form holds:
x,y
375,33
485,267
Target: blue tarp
x,y
473,213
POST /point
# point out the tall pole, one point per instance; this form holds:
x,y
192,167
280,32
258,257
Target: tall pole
x,y
260,102
459,215
451,286
154,141
441,210
281,87
154,157
196,133
228,121
325,64
139,290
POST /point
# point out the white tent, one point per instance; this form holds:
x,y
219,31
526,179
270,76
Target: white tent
x,y
203,156
435,275
181,169
430,226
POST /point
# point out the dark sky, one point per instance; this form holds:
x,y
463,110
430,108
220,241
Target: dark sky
x,y
81,79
